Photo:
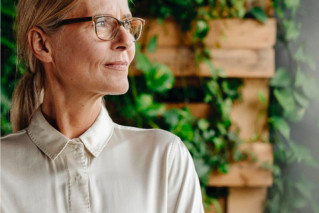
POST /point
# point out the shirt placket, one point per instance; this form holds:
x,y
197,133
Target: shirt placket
x,y
78,180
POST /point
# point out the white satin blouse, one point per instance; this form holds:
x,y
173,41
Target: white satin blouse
x,y
108,169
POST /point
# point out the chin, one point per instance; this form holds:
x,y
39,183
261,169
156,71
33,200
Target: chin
x,y
118,90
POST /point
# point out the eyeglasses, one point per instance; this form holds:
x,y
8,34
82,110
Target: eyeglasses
x,y
107,27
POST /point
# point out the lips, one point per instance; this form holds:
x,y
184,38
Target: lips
x,y
117,65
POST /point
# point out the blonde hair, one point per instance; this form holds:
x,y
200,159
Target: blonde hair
x,y
43,14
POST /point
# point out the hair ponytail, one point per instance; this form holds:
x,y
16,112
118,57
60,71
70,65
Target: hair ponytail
x,y
28,94
26,99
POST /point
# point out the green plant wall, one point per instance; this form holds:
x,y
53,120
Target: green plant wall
x,y
210,141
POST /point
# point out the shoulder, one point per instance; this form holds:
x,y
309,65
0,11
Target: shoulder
x,y
14,141
14,137
155,135
154,138
146,137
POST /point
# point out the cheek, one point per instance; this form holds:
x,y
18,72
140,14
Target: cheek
x,y
76,51
131,53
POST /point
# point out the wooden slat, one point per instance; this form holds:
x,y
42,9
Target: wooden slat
x,y
237,33
247,173
246,200
237,63
199,110
243,63
224,33
248,114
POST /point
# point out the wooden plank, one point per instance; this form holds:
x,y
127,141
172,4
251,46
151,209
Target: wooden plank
x,y
241,34
224,33
199,110
248,114
246,200
242,63
236,63
247,173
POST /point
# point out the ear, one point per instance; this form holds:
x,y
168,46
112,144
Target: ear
x,y
39,44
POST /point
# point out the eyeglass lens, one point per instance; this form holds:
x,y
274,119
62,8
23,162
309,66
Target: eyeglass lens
x,y
107,27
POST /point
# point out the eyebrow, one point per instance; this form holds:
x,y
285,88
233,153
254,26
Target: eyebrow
x,y
109,14
127,16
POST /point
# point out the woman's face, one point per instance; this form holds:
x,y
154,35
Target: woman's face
x,y
84,63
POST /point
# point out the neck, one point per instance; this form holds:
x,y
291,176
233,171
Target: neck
x,y
70,113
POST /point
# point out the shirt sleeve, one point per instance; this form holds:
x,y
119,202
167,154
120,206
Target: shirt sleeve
x,y
184,194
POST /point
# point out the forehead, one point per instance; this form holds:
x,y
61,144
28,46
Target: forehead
x,y
116,8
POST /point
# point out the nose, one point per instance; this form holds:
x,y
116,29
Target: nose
x,y
123,40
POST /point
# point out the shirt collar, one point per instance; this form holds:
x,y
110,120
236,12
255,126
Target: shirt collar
x,y
52,142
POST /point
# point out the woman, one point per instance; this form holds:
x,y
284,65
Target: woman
x,y
66,154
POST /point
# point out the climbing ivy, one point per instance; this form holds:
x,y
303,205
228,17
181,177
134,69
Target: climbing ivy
x,y
210,141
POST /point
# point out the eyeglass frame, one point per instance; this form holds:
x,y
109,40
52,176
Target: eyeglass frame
x,y
93,19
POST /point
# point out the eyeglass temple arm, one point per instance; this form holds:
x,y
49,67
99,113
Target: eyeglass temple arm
x,y
73,21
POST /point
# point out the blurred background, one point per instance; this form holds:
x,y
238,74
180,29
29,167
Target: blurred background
x,y
307,131
236,80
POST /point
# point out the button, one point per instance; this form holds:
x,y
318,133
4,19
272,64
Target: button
x,y
78,178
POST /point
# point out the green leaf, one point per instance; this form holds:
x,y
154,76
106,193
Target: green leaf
x,y
301,99
281,125
217,206
202,29
300,202
199,2
171,117
146,106
180,123
9,10
142,62
315,206
5,102
238,155
7,43
239,8
144,101
302,154
221,128
223,168
226,107
202,168
160,79
213,87
310,88
185,131
300,78
151,47
301,56
292,30
259,14
305,188
285,99
281,78
262,98
203,124
296,115
292,5
219,144
274,203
